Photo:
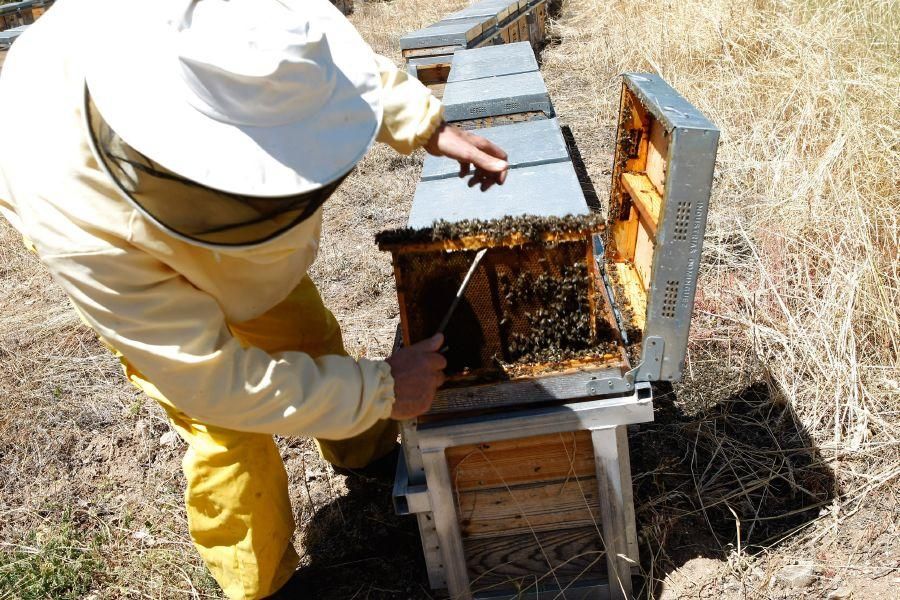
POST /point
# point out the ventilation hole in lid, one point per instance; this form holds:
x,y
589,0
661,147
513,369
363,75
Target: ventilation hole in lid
x,y
670,298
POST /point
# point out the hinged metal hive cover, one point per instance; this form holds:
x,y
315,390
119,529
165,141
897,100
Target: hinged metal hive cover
x,y
527,144
550,190
662,174
504,95
492,61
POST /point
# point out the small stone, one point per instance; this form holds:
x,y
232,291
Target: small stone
x,y
839,594
797,576
169,438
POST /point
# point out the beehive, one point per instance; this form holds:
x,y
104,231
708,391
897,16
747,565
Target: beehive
x,y
519,474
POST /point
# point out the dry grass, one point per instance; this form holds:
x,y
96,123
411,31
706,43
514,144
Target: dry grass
x,y
801,282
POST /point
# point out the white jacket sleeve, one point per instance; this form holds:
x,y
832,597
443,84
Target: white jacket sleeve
x,y
176,335
411,112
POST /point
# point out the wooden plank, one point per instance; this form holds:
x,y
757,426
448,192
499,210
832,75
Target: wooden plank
x,y
645,197
545,457
637,128
643,256
632,287
627,492
446,524
437,89
433,51
513,32
657,155
533,507
612,512
523,28
518,562
625,235
436,73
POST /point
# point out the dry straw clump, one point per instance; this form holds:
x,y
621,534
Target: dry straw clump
x,y
801,254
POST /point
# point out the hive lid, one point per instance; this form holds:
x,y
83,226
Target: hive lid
x,y
662,175
492,61
444,33
501,9
527,144
549,190
503,95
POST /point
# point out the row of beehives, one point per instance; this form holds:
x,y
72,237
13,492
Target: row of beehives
x,y
15,15
428,51
500,91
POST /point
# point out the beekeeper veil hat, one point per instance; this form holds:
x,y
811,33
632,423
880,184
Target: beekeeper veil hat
x,y
258,108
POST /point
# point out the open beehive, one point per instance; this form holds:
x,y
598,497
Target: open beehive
x,y
586,307
662,174
533,305
523,458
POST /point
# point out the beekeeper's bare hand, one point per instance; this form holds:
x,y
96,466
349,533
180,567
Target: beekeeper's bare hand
x,y
471,151
418,372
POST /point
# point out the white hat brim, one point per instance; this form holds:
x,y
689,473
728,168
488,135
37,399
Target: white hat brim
x,y
135,88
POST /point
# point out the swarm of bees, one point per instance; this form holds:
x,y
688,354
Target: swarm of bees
x,y
547,317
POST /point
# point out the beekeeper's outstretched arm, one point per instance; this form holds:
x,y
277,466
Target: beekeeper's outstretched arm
x,y
413,117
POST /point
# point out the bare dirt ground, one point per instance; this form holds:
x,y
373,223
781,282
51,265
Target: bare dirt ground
x,y
771,472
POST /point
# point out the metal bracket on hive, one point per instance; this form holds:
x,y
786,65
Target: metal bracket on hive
x,y
647,370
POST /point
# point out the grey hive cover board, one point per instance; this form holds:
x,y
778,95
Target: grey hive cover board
x,y
444,33
550,190
492,61
503,95
499,9
527,144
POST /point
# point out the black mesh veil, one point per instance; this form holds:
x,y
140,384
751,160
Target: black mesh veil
x,y
191,210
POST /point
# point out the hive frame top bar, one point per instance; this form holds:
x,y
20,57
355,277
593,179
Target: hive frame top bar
x,y
665,103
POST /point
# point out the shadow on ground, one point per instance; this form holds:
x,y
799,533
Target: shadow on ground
x,y
706,477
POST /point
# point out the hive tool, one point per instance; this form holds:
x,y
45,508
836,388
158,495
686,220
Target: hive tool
x,y
462,290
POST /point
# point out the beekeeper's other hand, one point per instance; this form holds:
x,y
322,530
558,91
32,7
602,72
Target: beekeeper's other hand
x,y
470,150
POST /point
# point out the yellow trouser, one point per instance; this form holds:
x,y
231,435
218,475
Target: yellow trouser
x,y
238,510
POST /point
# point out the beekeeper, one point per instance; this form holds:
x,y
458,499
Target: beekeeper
x,y
169,162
